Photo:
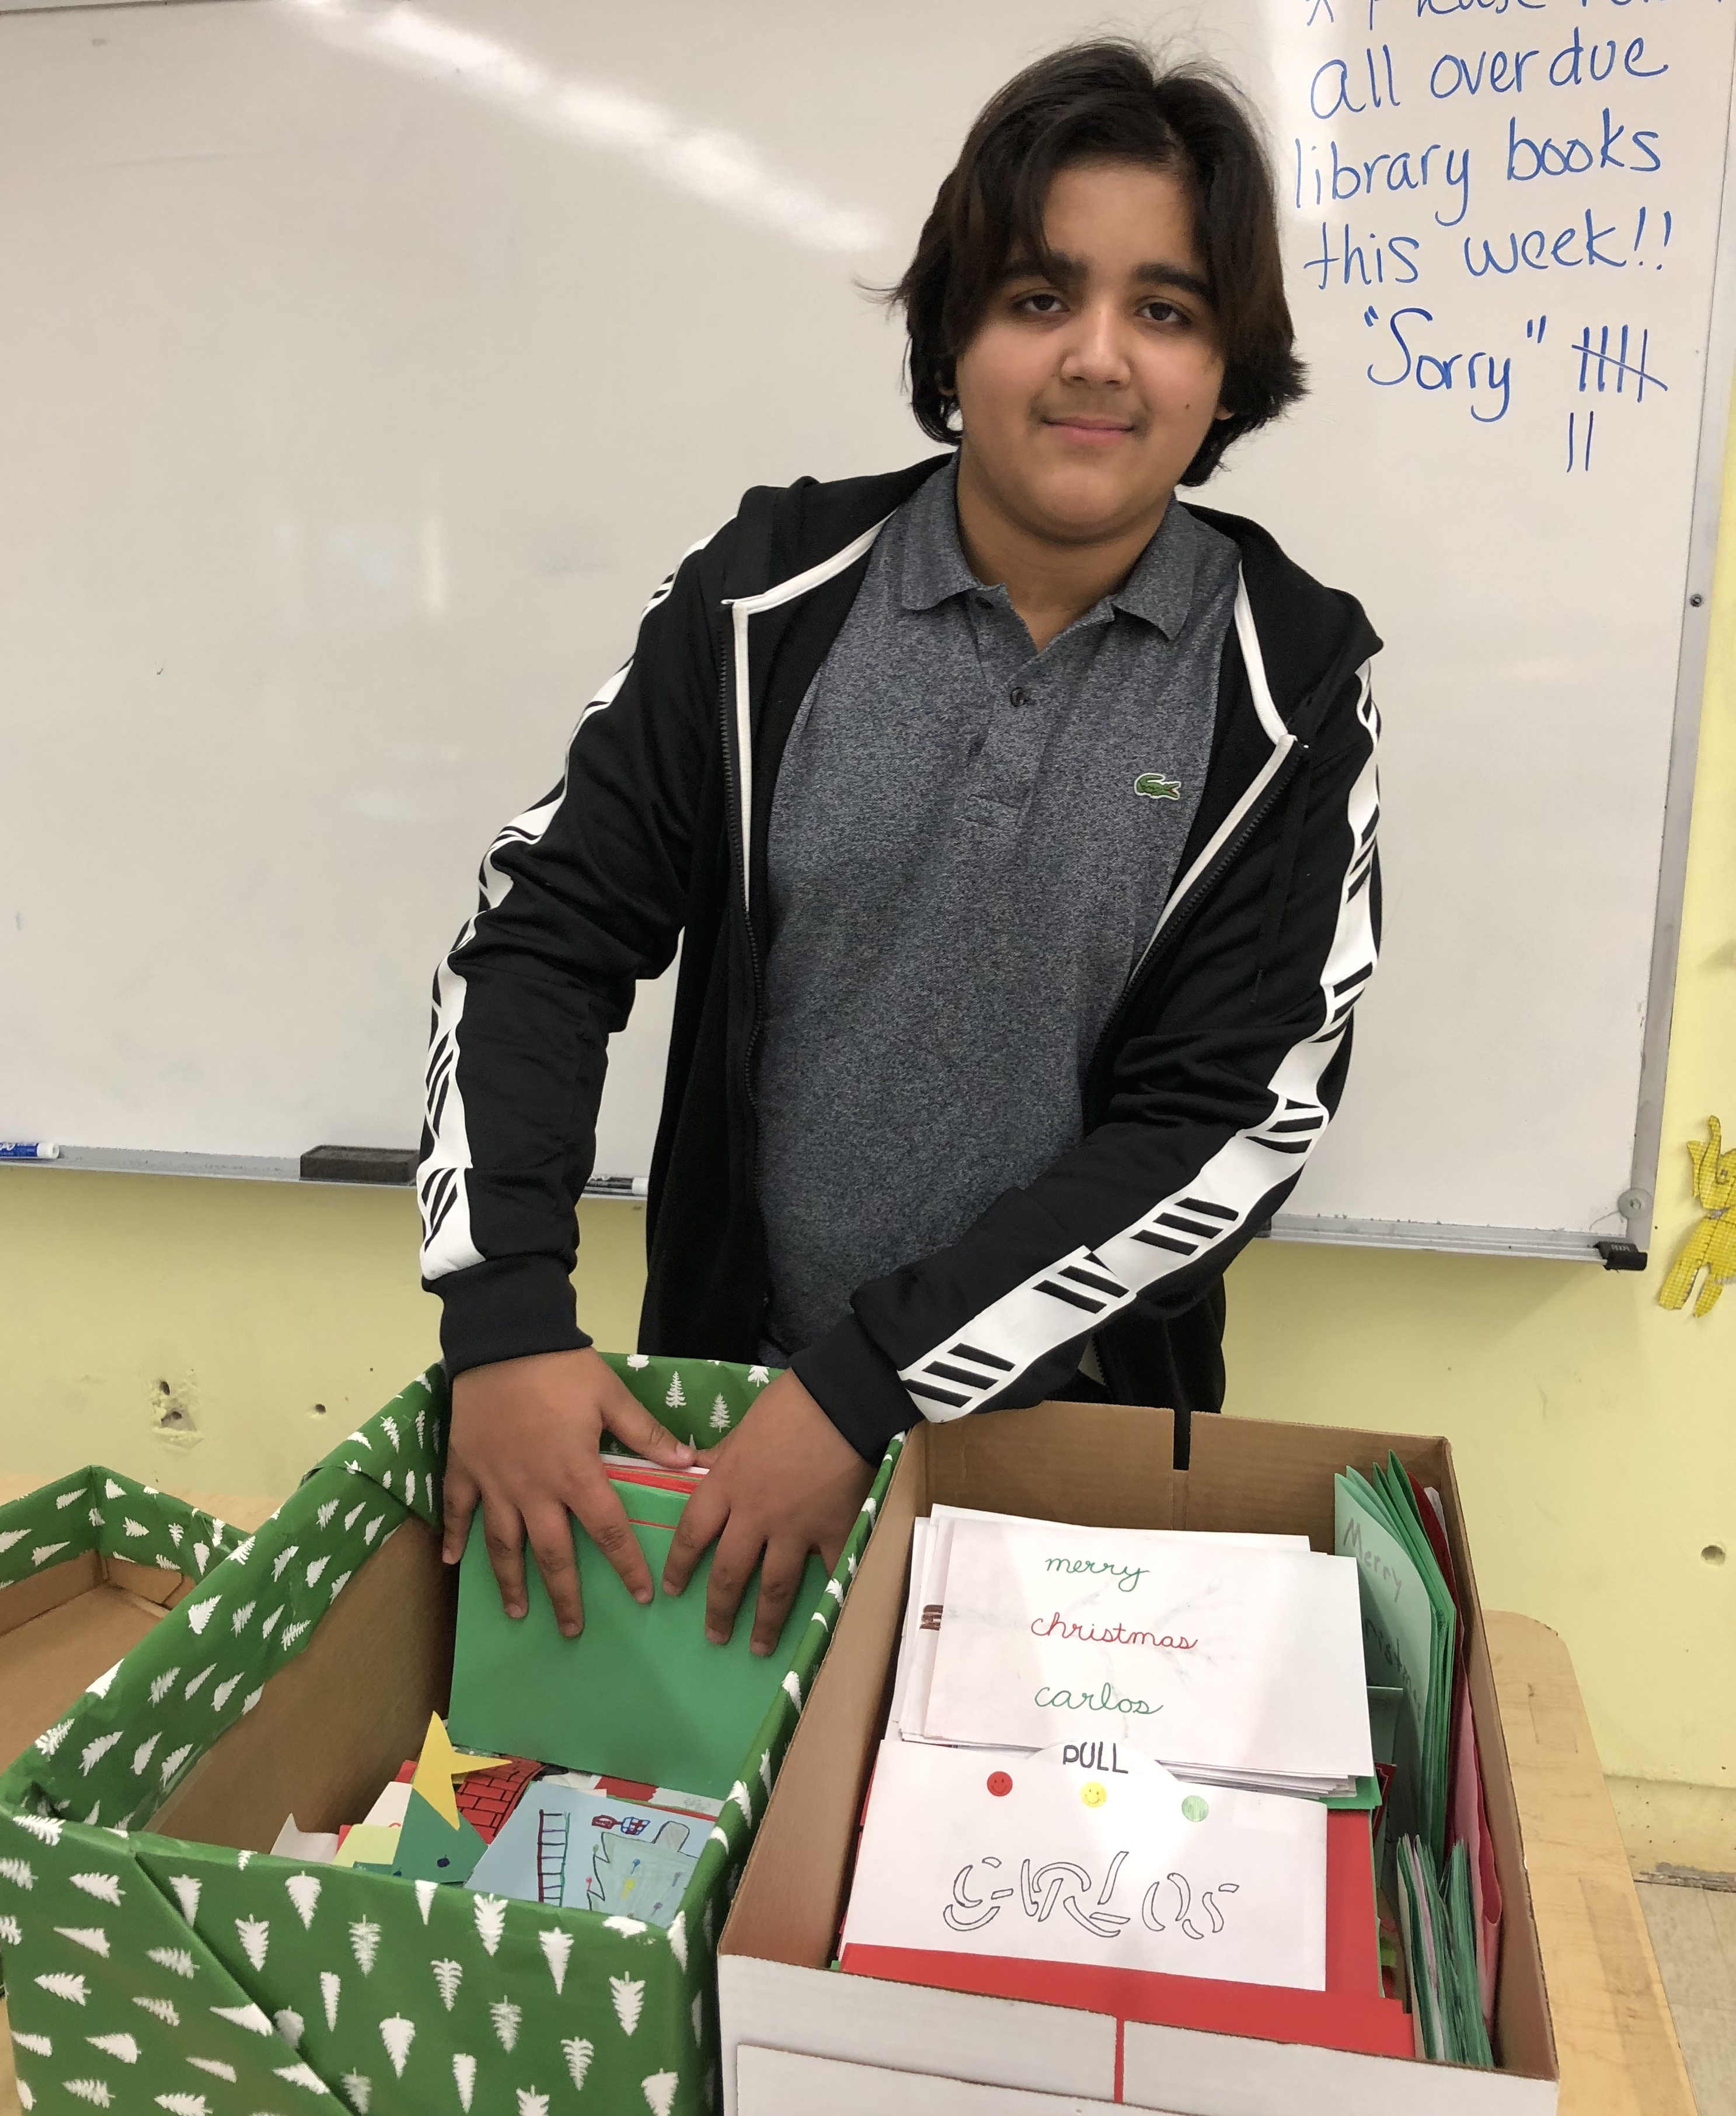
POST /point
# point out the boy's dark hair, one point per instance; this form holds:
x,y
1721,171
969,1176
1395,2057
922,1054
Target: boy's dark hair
x,y
1107,101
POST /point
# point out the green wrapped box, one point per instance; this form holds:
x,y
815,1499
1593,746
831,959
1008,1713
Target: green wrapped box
x,y
88,1565
158,1958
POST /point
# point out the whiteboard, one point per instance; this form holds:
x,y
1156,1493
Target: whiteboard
x,y
365,366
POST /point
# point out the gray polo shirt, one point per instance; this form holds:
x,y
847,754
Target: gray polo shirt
x,y
970,843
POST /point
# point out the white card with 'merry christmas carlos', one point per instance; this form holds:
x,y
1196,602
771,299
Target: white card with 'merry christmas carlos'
x,y
1087,1853
1225,1659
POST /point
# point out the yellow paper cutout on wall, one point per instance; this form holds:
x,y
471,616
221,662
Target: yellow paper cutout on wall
x,y
438,1764
1711,1246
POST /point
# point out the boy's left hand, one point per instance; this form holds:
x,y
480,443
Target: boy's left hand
x,y
784,1483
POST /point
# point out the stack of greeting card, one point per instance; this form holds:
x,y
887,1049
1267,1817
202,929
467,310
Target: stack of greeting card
x,y
1129,1770
1234,1659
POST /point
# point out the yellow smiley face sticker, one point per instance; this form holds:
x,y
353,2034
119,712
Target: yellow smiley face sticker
x,y
1093,1795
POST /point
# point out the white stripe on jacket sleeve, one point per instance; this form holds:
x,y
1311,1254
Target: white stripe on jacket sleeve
x,y
1080,1291
447,1242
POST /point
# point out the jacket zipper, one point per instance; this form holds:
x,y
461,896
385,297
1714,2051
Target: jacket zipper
x,y
742,844
1228,854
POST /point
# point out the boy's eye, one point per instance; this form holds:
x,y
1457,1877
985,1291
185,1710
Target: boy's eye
x,y
1041,301
1164,312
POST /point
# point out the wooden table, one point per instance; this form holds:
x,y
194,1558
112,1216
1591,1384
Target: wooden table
x,y
1613,2035
1617,2046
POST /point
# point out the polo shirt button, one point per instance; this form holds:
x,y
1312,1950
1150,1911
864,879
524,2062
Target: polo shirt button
x,y
1016,695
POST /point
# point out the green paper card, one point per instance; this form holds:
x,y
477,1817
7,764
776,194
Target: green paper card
x,y
429,1849
640,1694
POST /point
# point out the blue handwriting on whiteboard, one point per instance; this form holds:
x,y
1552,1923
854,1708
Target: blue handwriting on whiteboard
x,y
1413,170
1606,365
1528,158
1502,73
1478,376
1342,254
1336,85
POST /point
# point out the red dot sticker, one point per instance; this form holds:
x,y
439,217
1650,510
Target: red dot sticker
x,y
1000,1784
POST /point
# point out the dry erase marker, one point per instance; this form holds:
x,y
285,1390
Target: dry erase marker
x,y
27,1149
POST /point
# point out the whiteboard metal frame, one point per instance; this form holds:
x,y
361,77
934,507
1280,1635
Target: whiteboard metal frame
x,y
1562,1246
62,6
1684,738
257,1168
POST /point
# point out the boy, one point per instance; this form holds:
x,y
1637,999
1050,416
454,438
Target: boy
x,y
1017,824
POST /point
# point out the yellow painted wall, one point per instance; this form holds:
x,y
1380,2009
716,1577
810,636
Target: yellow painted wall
x,y
1595,1435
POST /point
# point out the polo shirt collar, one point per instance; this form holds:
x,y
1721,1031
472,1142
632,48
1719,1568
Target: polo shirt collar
x,y
933,568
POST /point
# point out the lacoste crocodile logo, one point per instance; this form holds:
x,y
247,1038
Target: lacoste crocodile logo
x,y
1156,787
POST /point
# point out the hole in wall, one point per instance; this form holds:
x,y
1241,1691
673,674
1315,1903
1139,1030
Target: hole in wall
x,y
319,1410
171,1415
1713,1553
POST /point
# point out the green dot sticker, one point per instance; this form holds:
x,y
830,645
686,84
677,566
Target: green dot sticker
x,y
1194,1808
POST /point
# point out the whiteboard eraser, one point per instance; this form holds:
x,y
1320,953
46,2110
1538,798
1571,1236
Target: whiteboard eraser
x,y
359,1164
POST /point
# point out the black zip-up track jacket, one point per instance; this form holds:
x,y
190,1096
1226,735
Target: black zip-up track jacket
x,y
1216,1076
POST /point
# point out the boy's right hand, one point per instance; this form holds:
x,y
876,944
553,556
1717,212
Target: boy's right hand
x,y
523,1445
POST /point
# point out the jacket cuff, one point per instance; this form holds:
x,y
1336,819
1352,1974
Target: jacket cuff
x,y
857,1387
506,1310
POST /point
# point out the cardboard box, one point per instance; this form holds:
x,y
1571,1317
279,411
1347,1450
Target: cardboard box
x,y
798,2036
89,1565
156,1955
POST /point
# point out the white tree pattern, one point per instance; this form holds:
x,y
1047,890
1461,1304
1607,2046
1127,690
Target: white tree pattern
x,y
490,1914
248,2017
62,1983
506,2017
556,1942
464,2077
628,1994
448,1976
397,2034
117,1736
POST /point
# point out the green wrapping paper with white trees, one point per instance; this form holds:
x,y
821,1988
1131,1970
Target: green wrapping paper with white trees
x,y
149,1974
100,1510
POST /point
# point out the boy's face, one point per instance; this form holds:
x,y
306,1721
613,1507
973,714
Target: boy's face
x,y
1083,401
